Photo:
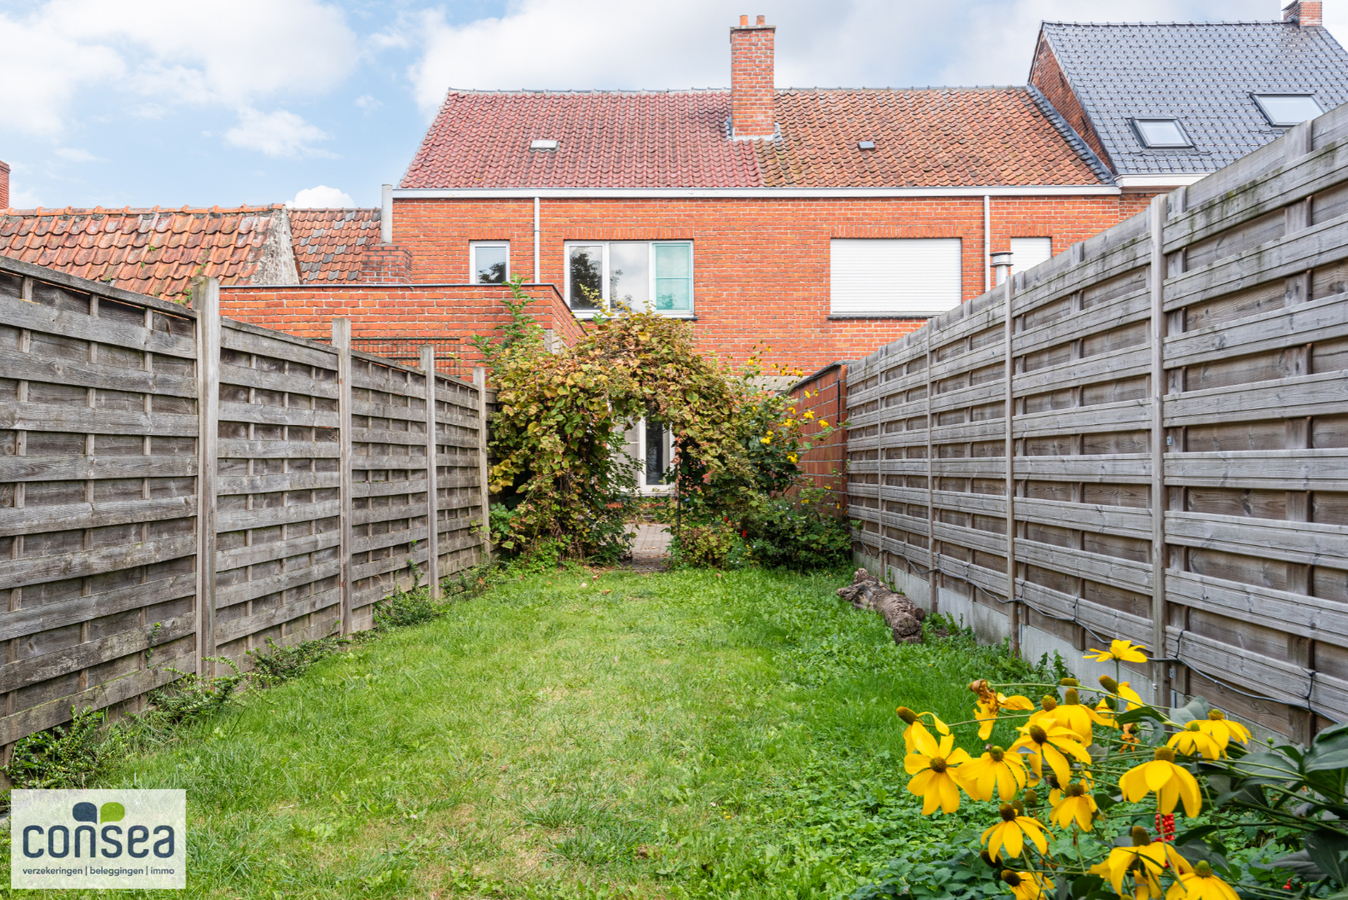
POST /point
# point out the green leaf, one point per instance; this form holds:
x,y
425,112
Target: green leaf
x,y
1328,754
1329,851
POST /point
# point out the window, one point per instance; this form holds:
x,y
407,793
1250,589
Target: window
x,y
488,263
1026,253
650,446
1286,110
640,275
1161,133
911,277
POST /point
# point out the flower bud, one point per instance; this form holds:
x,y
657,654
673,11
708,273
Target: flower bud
x,y
1031,797
1202,869
1071,698
1018,807
1069,682
906,714
987,858
1109,684
1140,836
1049,703
1038,735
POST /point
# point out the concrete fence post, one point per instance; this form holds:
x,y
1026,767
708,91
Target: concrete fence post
x,y
206,304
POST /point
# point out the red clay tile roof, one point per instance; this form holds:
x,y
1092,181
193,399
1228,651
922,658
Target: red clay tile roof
x,y
937,137
151,251
329,243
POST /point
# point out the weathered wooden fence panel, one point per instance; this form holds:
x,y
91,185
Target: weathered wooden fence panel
x,y
1171,398
172,488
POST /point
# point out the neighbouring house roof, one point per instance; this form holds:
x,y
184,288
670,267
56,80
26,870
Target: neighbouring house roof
x,y
329,243
1203,74
155,251
933,137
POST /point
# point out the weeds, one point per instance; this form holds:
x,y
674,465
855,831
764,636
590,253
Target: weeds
x,y
68,756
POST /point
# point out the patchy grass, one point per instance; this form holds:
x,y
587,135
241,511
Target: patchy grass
x,y
567,736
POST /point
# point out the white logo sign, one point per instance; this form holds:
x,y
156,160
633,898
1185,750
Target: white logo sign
x,y
98,839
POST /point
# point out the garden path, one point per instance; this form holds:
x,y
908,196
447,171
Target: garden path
x,y
650,548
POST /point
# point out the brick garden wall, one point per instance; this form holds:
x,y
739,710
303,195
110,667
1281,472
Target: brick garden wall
x,y
761,267
826,464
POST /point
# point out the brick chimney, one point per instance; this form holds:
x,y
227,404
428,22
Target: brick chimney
x,y
4,185
1306,13
751,93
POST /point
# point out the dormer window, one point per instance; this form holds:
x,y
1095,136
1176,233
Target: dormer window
x,y
543,144
1158,134
1286,110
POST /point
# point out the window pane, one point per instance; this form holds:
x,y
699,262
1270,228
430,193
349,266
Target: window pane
x,y
489,264
655,451
586,276
629,274
673,277
1288,110
1161,133
1026,253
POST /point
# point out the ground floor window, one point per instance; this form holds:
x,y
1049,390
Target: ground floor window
x,y
1026,253
650,444
640,275
889,277
488,262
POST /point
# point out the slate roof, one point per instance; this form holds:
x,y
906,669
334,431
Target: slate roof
x,y
151,251
934,137
1200,73
329,243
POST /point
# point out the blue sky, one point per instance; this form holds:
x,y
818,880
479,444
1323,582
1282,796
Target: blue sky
x,y
225,102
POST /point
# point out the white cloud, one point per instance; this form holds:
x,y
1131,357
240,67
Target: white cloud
x,y
580,44
367,103
280,133
231,52
322,197
74,154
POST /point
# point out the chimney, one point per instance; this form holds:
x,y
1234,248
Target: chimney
x,y
4,185
1305,13
751,94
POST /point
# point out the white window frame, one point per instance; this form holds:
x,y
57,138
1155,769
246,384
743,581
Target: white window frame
x,y
1148,145
642,486
690,313
1268,114
897,307
472,259
1021,267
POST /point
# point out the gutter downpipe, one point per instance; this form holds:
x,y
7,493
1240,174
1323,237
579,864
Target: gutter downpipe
x,y
987,242
538,278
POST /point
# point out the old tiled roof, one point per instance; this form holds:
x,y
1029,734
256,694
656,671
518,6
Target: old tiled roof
x,y
329,242
1202,74
153,251
936,137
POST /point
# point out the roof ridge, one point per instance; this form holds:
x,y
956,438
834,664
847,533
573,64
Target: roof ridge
x,y
929,87
1168,24
137,210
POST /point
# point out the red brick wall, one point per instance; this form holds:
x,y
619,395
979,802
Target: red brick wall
x,y
826,463
761,267
389,311
1047,75
4,185
751,79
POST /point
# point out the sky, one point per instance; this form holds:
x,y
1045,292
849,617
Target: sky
x,y
318,102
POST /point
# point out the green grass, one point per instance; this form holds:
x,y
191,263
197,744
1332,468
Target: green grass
x,y
670,735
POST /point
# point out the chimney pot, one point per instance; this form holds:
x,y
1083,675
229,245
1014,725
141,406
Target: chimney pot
x,y
751,81
4,185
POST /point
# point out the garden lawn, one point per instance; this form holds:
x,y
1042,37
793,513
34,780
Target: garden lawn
x,y
565,735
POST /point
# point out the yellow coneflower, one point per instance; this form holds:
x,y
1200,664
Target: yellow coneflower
x,y
1200,884
1028,885
934,768
1075,805
1144,862
1010,834
1052,743
1193,741
995,772
1124,651
1222,730
1071,713
1171,783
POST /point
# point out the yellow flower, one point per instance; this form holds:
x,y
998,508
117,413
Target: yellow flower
x,y
934,768
991,703
1011,832
766,440
915,725
1144,862
1200,884
1125,651
1222,730
995,772
791,456
823,422
1028,885
1170,782
807,415
1193,741
1072,714
1052,743
1075,805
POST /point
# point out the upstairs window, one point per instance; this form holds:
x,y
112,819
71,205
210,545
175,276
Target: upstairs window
x,y
642,276
1026,253
488,263
1286,110
1157,134
902,277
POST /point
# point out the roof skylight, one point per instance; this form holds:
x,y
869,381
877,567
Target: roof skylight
x,y
543,144
1161,133
1286,110
865,145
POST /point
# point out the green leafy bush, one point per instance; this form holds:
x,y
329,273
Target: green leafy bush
x,y
68,756
798,532
279,664
405,607
962,877
715,545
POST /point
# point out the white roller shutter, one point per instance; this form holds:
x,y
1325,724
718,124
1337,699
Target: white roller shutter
x,y
1026,253
917,276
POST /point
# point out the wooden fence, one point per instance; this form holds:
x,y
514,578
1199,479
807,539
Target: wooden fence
x,y
1168,461
176,487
